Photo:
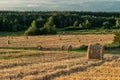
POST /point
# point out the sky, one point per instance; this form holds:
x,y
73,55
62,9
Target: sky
x,y
61,5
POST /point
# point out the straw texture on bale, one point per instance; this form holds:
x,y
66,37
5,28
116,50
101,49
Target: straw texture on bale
x,y
95,51
67,47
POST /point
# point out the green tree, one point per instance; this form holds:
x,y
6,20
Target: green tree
x,y
80,25
76,24
40,22
86,24
118,23
49,27
117,38
32,30
16,26
106,25
5,25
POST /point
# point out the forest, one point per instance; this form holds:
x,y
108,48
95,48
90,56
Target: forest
x,y
48,22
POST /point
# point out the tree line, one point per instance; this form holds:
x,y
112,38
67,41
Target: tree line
x,y
36,23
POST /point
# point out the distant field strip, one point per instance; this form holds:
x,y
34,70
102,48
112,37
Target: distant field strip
x,y
55,41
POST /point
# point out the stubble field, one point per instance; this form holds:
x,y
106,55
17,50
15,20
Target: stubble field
x,y
57,65
55,41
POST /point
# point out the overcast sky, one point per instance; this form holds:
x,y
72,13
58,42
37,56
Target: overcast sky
x,y
61,5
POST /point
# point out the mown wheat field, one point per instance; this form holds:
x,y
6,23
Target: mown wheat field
x,y
20,64
56,65
55,41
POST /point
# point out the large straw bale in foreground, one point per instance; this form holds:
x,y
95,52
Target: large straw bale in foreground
x,y
95,51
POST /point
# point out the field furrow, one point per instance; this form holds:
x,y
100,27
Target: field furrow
x,y
107,71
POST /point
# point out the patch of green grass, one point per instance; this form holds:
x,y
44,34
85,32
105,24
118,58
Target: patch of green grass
x,y
21,55
92,31
111,47
11,33
35,53
67,32
78,53
115,52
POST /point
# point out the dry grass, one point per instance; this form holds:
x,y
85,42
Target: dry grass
x,y
55,41
109,70
55,65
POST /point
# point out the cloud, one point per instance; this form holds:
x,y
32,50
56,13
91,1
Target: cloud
x,y
78,5
32,5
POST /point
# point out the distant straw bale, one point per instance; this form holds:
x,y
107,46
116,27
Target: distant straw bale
x,y
100,39
67,47
79,40
26,37
60,37
39,47
8,42
95,51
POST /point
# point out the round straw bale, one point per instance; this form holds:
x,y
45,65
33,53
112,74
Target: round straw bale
x,y
39,47
67,47
95,51
8,42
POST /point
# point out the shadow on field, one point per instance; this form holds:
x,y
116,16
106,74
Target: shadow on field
x,y
79,68
117,51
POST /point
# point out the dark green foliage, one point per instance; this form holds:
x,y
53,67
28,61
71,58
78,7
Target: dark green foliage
x,y
40,22
76,24
87,24
80,25
118,23
49,27
13,21
37,28
83,47
16,26
106,25
111,46
117,38
32,30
